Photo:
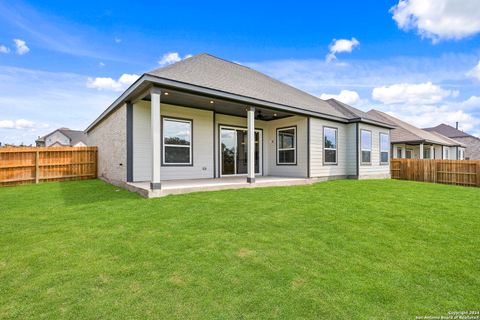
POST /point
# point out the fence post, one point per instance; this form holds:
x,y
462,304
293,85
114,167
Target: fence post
x,y
37,166
478,174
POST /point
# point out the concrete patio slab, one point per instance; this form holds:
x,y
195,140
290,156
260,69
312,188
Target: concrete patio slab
x,y
197,185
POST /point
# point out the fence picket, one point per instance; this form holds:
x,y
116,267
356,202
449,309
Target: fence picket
x,y
24,165
458,172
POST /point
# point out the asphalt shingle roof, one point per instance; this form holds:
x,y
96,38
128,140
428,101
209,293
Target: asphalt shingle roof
x,y
75,136
448,131
405,132
207,71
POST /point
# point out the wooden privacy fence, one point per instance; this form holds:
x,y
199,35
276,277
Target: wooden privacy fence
x,y
459,172
34,165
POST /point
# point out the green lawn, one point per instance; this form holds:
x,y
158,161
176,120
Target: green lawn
x,y
334,250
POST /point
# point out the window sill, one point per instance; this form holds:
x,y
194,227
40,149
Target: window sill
x,y
330,163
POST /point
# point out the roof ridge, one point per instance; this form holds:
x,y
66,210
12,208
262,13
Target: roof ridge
x,y
243,66
394,120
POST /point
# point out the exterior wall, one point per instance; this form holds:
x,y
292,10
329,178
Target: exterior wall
x,y
452,153
439,151
110,137
374,169
346,144
202,143
301,168
472,150
57,138
205,146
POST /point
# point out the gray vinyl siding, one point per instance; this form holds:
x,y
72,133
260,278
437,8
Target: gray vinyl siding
x,y
57,137
300,169
374,169
346,155
142,142
202,143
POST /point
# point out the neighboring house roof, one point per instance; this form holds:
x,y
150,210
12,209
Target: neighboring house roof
x,y
472,143
75,136
449,131
406,133
209,72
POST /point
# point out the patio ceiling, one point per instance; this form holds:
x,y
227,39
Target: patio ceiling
x,y
185,99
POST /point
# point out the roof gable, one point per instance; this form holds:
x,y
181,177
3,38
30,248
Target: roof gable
x,y
448,131
208,71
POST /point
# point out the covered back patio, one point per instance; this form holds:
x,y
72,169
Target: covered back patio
x,y
181,141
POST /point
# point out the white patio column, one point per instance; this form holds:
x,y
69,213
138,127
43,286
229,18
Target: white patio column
x,y
155,129
404,153
251,145
421,151
432,152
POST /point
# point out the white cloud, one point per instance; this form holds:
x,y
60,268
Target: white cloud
x,y
341,45
101,64
171,57
58,99
475,72
423,116
118,40
21,124
4,49
104,83
438,19
422,93
21,46
345,96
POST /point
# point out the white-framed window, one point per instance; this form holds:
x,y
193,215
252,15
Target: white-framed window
x,y
409,153
177,141
426,153
287,146
446,155
366,146
461,154
399,152
330,145
384,148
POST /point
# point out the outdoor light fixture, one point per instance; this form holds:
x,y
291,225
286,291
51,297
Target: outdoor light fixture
x,y
274,114
211,101
166,93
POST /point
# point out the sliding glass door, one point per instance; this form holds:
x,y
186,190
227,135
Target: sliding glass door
x,y
233,151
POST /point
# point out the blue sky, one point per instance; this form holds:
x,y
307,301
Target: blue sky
x,y
61,63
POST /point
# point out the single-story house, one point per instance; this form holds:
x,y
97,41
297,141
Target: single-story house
x,y
472,143
63,137
211,119
409,141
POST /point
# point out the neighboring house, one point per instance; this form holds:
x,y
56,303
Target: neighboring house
x,y
472,143
63,137
204,118
411,142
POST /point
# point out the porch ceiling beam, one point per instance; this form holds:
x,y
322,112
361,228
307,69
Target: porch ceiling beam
x,y
141,96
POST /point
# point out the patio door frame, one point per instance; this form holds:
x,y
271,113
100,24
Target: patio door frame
x,y
220,154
